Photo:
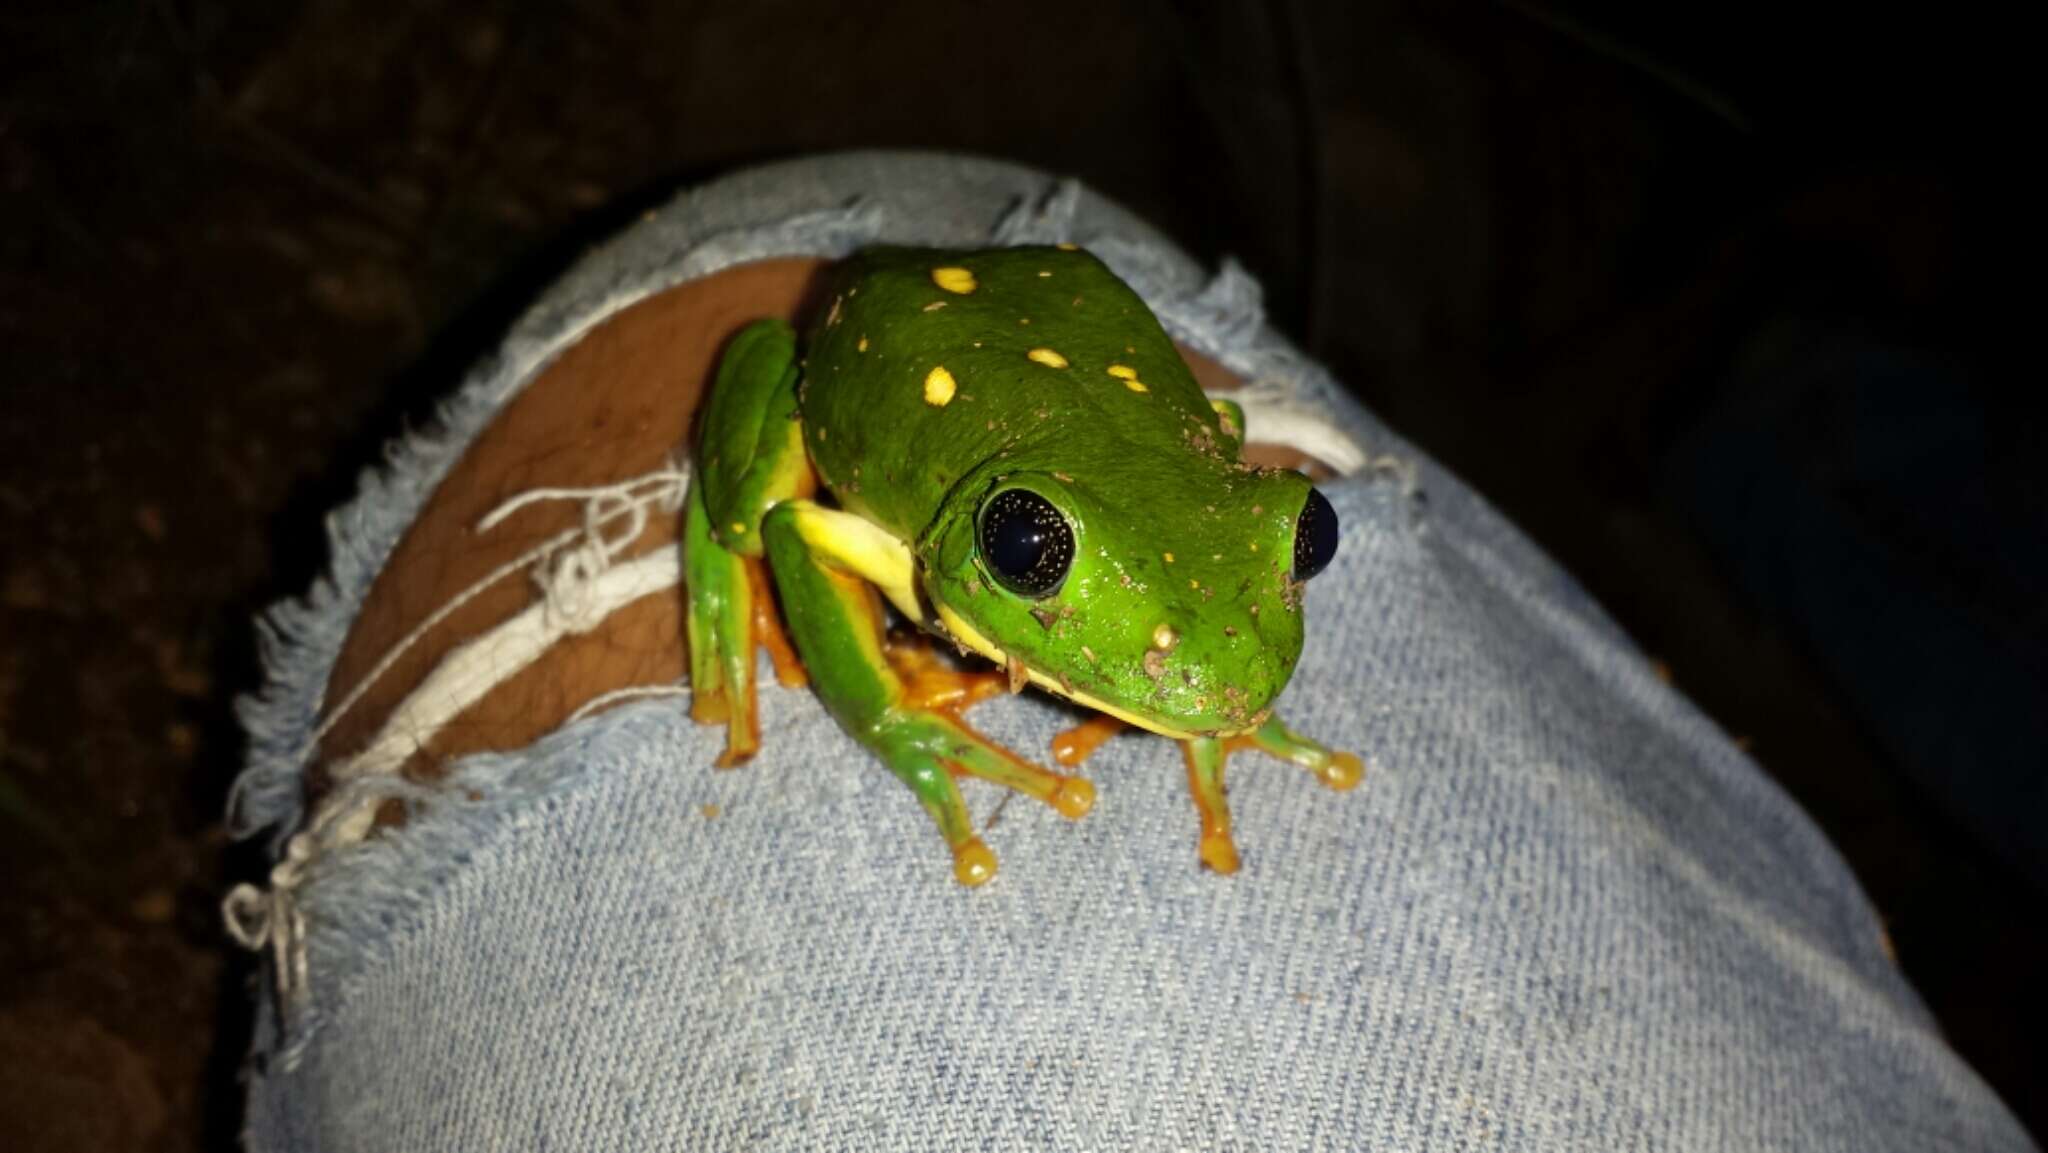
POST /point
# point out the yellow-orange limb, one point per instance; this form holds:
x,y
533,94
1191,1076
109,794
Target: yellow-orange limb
x,y
742,741
708,706
931,685
1339,771
1072,746
1205,757
715,704
789,669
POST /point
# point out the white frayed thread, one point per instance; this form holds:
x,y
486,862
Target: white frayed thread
x,y
471,670
604,701
1274,413
629,499
581,580
567,577
259,918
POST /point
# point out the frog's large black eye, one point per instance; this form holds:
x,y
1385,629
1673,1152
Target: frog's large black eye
x,y
1027,543
1315,536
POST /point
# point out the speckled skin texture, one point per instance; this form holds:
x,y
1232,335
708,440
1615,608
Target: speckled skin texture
x,y
1171,529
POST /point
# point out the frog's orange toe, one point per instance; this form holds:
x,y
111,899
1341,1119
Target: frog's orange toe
x,y
1076,796
973,863
1219,852
1077,744
709,708
1342,771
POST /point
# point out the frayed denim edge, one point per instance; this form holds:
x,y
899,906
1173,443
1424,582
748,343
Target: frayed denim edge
x,y
299,641
379,889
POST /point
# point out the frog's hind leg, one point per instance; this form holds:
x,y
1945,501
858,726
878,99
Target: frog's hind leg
x,y
731,614
750,457
828,566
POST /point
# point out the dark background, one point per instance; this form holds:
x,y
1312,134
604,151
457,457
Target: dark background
x,y
1702,296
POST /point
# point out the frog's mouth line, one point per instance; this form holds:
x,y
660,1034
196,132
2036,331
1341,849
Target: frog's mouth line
x,y
966,634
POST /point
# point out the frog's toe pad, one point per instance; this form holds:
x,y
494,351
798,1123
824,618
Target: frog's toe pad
x,y
1342,771
1219,852
974,864
1076,796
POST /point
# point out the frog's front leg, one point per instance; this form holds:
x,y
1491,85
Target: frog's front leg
x,y
1206,758
828,566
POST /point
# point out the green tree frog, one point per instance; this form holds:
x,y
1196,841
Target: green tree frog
x,y
1017,458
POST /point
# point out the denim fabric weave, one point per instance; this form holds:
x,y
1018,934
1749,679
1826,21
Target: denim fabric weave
x,y
1562,912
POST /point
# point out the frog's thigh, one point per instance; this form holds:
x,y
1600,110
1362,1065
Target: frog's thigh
x,y
750,457
751,452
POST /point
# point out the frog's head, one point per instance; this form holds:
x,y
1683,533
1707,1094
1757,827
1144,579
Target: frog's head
x,y
1171,602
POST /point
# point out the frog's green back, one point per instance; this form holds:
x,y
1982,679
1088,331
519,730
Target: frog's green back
x,y
934,379
927,363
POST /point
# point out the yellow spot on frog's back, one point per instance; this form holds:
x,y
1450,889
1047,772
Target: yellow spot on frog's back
x,y
1043,273
1123,372
1047,357
863,345
934,306
1136,386
939,386
1063,246
739,529
1169,558
954,279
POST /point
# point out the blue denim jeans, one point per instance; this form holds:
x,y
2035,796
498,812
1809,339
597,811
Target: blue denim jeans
x,y
1563,911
